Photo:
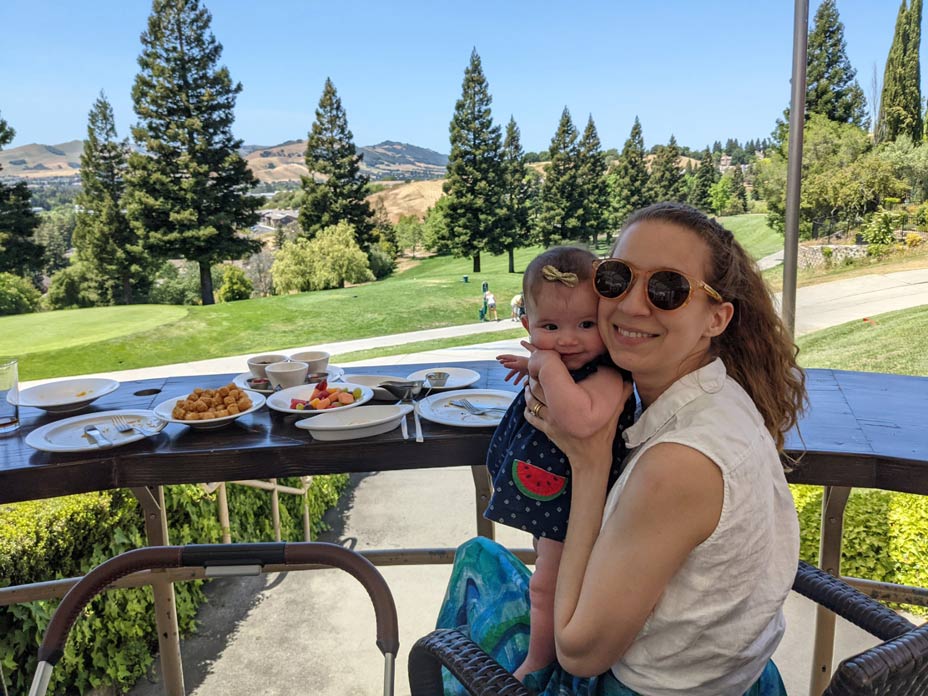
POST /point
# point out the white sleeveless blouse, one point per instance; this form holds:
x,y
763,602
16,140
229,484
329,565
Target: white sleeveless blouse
x,y
721,616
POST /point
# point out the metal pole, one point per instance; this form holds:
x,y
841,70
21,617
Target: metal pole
x,y
797,110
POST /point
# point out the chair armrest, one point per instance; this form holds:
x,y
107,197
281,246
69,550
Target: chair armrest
x,y
849,603
480,674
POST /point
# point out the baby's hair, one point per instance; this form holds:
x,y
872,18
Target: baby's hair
x,y
564,259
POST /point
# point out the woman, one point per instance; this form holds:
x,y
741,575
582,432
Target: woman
x,y
674,583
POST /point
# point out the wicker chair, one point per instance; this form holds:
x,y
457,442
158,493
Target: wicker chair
x,y
221,560
896,667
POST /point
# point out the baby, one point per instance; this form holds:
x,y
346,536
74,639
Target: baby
x,y
531,477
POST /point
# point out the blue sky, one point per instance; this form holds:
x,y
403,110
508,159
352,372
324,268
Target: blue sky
x,y
703,70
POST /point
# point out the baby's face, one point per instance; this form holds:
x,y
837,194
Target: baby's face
x,y
563,319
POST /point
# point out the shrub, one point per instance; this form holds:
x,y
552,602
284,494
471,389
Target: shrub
x,y
828,253
71,287
880,229
235,285
878,251
381,262
913,239
17,295
114,641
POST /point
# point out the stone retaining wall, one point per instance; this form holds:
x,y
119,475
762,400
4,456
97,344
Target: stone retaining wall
x,y
812,256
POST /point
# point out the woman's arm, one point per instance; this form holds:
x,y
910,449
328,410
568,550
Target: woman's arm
x,y
610,580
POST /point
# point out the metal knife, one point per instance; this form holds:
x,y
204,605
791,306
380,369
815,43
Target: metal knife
x,y
94,434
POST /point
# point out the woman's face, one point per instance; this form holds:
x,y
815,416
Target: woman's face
x,y
659,347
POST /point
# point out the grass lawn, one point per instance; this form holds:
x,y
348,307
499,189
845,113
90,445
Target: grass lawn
x,y
893,342
754,235
430,294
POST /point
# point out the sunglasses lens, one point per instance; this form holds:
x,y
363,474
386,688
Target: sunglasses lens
x,y
612,278
668,290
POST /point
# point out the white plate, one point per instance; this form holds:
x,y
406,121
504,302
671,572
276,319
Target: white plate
x,y
67,435
280,401
68,395
351,425
458,377
438,409
373,381
164,409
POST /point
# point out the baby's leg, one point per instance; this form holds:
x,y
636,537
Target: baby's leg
x,y
541,652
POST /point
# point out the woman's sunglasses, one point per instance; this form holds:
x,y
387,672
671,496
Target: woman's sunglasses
x,y
667,289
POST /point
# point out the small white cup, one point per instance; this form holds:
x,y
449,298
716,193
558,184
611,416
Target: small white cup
x,y
287,374
257,365
318,360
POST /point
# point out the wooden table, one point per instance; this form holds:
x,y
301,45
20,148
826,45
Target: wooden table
x,y
862,429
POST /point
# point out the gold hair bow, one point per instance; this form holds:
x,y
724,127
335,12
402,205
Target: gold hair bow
x,y
551,273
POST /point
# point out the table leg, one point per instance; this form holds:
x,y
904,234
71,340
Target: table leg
x,y
483,487
156,530
834,500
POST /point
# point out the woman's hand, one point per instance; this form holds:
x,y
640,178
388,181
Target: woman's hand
x,y
578,448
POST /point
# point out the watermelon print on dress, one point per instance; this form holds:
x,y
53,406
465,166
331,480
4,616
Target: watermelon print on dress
x,y
536,483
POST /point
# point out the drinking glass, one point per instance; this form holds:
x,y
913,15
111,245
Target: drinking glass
x,y
9,397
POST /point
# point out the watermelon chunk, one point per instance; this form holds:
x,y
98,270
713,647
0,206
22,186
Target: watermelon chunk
x,y
536,483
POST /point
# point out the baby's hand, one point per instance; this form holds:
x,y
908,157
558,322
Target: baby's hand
x,y
517,366
540,358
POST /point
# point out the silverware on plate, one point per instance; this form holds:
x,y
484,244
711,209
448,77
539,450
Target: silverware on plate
x,y
94,434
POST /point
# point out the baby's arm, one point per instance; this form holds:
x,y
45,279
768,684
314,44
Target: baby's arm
x,y
580,407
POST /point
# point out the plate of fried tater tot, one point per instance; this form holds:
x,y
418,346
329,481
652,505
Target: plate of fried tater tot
x,y
210,408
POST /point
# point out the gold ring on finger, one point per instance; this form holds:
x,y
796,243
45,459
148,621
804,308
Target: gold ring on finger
x,y
536,409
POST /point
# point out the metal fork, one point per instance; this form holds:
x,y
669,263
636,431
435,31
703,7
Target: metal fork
x,y
475,410
124,426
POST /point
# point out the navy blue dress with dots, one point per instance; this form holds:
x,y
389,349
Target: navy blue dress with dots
x,y
531,477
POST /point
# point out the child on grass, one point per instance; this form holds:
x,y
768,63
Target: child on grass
x,y
531,477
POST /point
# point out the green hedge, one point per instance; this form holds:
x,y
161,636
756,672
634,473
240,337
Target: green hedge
x,y
114,642
884,535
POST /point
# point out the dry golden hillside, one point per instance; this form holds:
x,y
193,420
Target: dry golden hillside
x,y
414,198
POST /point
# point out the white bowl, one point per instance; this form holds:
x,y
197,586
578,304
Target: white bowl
x,y
258,364
286,374
374,382
317,360
67,395
166,408
280,401
351,425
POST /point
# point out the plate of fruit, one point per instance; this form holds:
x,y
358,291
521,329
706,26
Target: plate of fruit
x,y
308,399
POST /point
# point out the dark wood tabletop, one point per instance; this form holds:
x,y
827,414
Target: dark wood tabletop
x,y
862,430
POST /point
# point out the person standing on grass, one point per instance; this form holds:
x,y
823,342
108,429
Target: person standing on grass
x,y
490,300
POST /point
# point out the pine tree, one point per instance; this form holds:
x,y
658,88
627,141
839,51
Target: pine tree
x,y
706,176
831,86
187,191
666,182
19,253
559,220
900,101
593,192
340,193
475,174
514,225
740,192
628,180
104,240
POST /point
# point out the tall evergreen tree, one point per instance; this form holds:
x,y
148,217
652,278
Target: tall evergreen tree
x,y
831,85
628,180
706,175
514,225
104,240
740,192
19,252
340,194
593,191
475,174
187,191
559,220
666,182
900,101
